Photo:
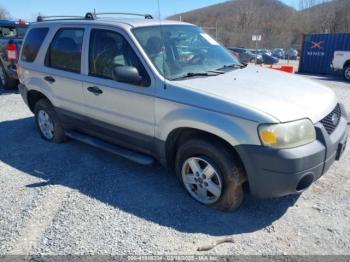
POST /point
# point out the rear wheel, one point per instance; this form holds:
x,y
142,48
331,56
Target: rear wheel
x,y
48,123
211,173
347,72
7,82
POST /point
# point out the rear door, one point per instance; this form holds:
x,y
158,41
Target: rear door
x,y
121,113
62,73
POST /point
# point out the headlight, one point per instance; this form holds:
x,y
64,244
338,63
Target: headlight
x,y
287,135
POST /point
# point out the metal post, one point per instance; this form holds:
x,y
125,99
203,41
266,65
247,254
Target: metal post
x,y
256,51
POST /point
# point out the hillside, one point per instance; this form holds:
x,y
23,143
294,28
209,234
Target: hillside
x,y
329,17
280,25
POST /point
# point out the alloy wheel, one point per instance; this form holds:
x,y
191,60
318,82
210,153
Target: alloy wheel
x,y
347,73
201,180
45,124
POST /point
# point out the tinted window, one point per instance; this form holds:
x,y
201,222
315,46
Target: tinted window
x,y
33,43
109,49
65,50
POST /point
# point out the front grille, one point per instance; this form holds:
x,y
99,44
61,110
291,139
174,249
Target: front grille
x,y
331,121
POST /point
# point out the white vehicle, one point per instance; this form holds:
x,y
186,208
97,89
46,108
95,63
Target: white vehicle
x,y
169,92
341,61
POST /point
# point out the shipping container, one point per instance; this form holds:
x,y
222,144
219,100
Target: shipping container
x,y
318,50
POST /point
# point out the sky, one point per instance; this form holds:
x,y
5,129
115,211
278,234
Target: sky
x,y
29,9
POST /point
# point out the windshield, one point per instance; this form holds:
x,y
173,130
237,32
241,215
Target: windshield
x,y
179,50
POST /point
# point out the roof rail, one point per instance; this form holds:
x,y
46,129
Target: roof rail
x,y
58,17
146,16
88,16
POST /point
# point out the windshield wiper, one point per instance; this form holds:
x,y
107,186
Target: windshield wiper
x,y
234,66
192,74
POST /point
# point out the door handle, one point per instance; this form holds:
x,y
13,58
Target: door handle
x,y
49,79
95,90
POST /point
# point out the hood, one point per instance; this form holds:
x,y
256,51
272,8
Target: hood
x,y
284,96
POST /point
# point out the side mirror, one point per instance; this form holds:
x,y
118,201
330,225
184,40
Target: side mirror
x,y
126,74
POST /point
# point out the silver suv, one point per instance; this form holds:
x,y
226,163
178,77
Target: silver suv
x,y
149,90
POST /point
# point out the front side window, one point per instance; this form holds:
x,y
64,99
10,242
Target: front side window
x,y
65,50
33,43
107,50
178,50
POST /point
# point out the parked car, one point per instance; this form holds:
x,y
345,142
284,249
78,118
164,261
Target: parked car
x,y
245,56
167,91
269,59
265,57
341,62
257,54
11,35
291,54
266,51
279,53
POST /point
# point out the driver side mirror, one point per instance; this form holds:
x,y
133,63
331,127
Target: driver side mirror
x,y
127,74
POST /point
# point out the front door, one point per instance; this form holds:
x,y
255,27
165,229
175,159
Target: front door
x,y
120,112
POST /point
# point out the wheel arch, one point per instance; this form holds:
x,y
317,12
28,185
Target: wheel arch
x,y
33,96
346,64
180,135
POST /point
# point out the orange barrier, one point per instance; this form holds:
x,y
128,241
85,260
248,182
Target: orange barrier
x,y
287,69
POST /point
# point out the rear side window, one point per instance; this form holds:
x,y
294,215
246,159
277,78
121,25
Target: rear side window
x,y
65,50
33,43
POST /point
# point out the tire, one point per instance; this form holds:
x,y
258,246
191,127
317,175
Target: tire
x,y
228,173
7,82
55,134
347,73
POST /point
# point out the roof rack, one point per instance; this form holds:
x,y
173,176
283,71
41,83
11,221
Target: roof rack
x,y
88,16
58,17
146,16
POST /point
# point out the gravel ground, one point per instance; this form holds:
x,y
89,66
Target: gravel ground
x,y
75,199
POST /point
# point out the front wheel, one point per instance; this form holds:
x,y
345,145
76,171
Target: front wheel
x,y
347,73
211,173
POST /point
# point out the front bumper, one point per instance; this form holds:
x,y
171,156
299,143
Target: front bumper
x,y
274,173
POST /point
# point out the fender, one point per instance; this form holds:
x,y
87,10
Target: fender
x,y
233,130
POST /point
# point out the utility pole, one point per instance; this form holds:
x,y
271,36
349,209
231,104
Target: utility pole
x,y
256,39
